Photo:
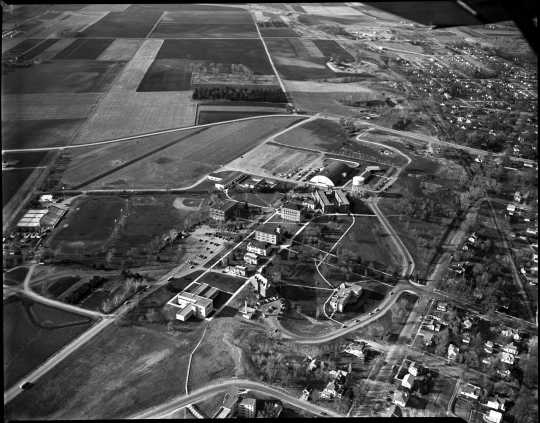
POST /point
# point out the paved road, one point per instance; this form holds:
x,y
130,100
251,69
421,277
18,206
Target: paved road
x,y
407,260
224,385
133,137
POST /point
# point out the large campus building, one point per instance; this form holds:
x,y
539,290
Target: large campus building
x,y
198,303
291,211
222,211
268,233
331,201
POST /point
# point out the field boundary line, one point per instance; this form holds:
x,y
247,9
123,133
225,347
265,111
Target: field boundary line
x,y
268,54
191,357
147,134
155,25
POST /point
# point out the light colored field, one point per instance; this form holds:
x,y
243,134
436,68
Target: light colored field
x,y
331,10
123,111
105,8
267,159
312,48
48,106
59,27
121,49
326,87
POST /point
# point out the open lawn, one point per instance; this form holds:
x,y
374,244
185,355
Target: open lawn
x,y
74,76
327,97
122,370
84,49
32,333
222,282
249,52
185,162
320,134
38,133
88,226
260,199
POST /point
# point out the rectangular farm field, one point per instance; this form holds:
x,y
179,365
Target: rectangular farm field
x,y
249,52
167,75
85,49
12,180
38,133
212,116
278,32
22,47
38,49
320,134
128,24
62,77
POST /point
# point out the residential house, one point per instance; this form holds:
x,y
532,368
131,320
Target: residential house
x,y
442,306
408,381
268,233
257,247
401,397
453,351
510,348
470,391
251,258
507,358
492,417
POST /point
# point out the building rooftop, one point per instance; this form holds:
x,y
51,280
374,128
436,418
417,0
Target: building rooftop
x,y
267,228
292,205
223,205
257,244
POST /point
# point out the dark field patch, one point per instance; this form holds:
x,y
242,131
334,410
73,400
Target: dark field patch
x,y
28,341
22,47
12,180
35,134
223,282
62,284
15,276
278,32
179,284
247,52
330,48
85,49
91,219
26,158
298,8
300,73
132,23
38,49
79,76
220,299
167,75
212,116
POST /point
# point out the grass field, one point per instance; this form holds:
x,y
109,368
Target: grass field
x,y
187,161
77,76
32,333
123,370
211,116
222,282
320,134
201,24
84,49
88,225
15,276
248,52
260,199
89,163
38,133
331,48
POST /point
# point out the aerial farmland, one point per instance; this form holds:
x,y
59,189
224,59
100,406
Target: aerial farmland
x,y
269,210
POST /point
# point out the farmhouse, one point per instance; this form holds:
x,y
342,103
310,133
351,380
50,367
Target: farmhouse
x,y
199,303
222,211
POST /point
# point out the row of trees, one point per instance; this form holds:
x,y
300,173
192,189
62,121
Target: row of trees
x,y
269,94
83,291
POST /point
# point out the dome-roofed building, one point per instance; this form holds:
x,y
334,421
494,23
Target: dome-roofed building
x,y
334,173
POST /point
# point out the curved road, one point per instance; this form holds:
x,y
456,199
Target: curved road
x,y
224,385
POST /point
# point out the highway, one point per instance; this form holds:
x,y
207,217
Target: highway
x,y
224,385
